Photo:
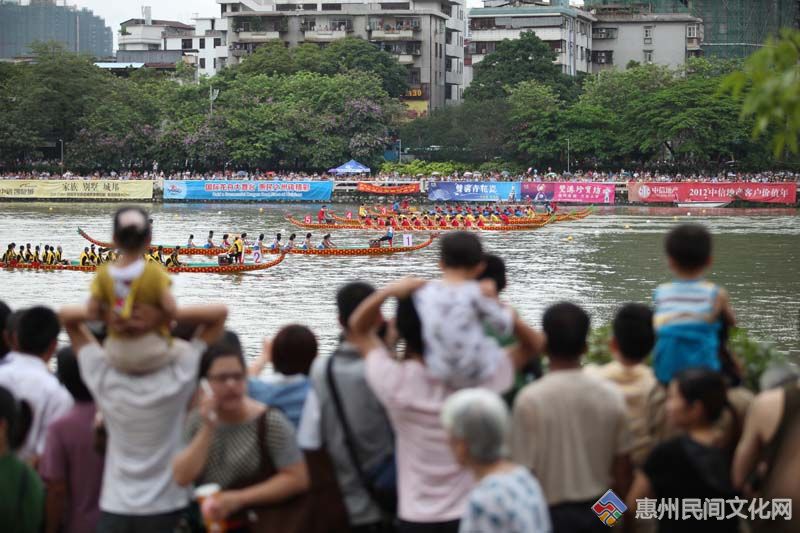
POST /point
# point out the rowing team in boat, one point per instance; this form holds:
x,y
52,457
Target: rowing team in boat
x,y
157,256
487,211
48,256
437,221
237,247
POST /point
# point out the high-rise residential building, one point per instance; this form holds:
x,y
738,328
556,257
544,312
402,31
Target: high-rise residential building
x,y
426,36
79,30
732,28
620,37
567,30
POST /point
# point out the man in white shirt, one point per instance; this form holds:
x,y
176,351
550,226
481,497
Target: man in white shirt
x,y
144,417
25,374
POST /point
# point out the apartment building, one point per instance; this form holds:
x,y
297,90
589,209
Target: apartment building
x,y
427,36
665,39
567,30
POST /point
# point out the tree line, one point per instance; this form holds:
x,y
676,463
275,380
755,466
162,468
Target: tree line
x,y
303,108
309,108
521,109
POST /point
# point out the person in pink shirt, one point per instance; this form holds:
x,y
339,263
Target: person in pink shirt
x,y
71,467
433,488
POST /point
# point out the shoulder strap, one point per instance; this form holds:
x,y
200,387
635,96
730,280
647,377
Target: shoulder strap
x,y
349,441
266,467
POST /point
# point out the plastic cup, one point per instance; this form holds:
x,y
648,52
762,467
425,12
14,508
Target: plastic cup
x,y
203,494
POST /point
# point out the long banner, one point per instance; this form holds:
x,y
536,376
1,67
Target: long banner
x,y
371,188
474,191
232,190
76,189
568,191
772,193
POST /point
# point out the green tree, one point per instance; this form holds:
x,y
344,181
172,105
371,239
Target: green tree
x,y
770,83
307,57
534,120
471,132
353,53
514,61
269,58
691,121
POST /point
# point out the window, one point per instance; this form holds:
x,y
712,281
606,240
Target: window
x,y
286,7
186,44
217,41
212,24
215,63
648,35
603,57
310,7
224,8
331,7
691,31
604,33
234,8
395,5
723,29
202,44
202,62
648,56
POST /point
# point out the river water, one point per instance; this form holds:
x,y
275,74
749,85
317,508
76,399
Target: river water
x,y
614,256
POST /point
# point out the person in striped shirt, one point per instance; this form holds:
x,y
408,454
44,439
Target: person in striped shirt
x,y
688,310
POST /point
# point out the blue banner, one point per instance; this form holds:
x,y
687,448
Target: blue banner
x,y
233,190
474,191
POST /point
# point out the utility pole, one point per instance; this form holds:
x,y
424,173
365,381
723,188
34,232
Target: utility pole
x,y
213,94
62,154
568,155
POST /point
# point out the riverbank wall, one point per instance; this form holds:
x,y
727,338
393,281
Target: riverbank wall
x,y
423,191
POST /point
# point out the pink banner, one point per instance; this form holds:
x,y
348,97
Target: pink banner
x,y
652,192
568,192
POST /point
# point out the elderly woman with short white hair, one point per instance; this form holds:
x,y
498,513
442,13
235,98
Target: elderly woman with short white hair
x,y
508,498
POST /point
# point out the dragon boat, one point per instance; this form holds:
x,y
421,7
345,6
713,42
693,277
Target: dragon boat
x,y
364,227
166,248
525,221
334,252
371,251
189,268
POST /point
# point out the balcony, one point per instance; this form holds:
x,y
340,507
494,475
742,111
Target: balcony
x,y
128,39
258,36
604,33
693,43
239,52
395,35
324,36
406,59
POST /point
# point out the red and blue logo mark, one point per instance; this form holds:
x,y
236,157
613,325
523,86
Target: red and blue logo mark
x,y
609,508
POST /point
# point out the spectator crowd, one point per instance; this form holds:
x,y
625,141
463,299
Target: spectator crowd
x,y
453,415
621,176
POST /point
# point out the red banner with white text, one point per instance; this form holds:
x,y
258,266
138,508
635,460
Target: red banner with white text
x,y
411,188
772,193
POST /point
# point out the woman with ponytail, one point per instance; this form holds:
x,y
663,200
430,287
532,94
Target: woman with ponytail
x,y
21,492
694,464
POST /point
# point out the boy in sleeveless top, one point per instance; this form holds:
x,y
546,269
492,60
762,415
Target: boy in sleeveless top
x,y
689,310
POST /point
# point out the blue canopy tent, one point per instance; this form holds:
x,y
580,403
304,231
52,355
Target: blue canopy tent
x,y
351,167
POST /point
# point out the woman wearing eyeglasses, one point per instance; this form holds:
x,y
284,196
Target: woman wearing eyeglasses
x,y
247,449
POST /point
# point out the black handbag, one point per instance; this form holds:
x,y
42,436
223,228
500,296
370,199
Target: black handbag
x,y
380,481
